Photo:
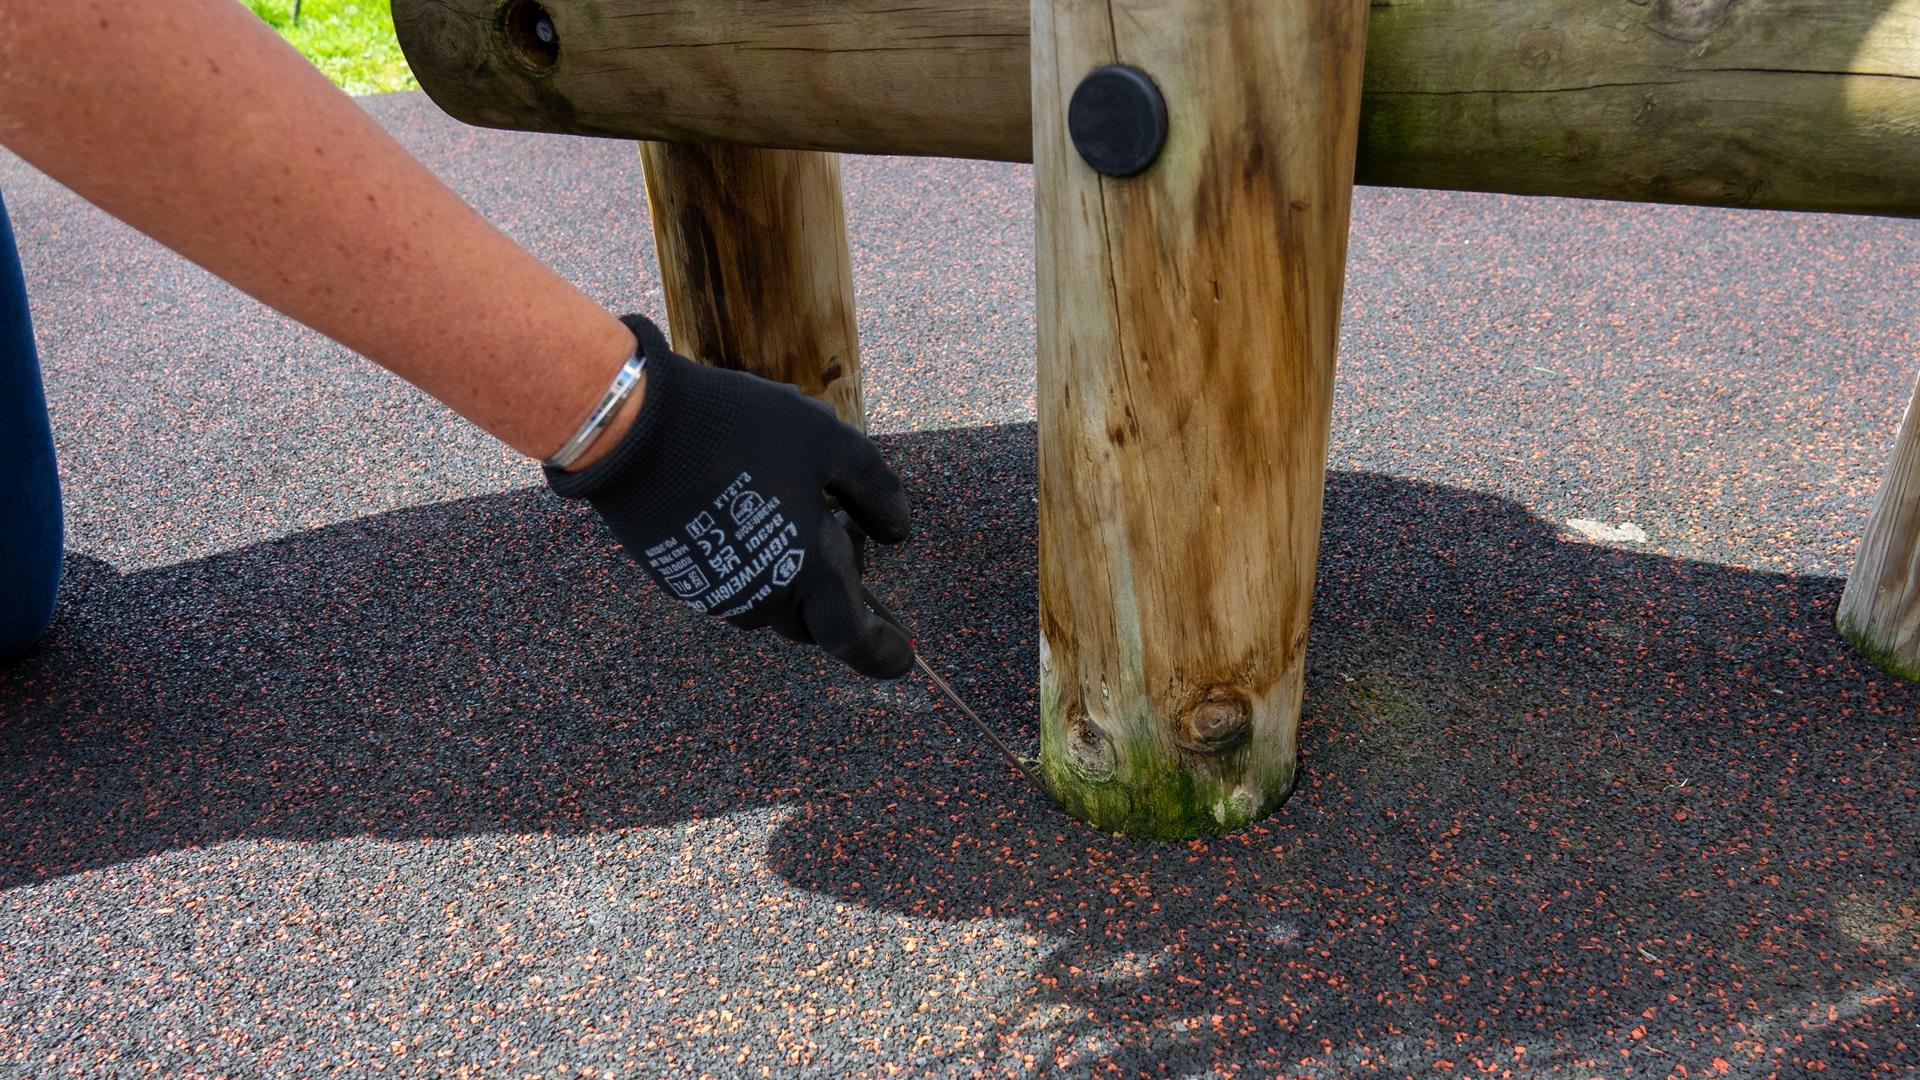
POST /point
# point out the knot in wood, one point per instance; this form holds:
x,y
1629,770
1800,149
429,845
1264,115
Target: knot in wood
x,y
1690,20
1219,719
1541,48
1089,751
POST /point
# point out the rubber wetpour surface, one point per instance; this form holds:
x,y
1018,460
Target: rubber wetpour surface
x,y
354,749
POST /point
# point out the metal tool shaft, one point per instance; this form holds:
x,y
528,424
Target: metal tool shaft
x,y
1018,762
1014,759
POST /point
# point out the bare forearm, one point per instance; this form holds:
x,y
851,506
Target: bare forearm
x,y
193,122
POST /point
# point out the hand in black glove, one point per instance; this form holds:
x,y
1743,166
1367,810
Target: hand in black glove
x,y
719,490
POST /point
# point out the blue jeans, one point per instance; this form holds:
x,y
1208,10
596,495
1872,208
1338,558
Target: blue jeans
x,y
30,524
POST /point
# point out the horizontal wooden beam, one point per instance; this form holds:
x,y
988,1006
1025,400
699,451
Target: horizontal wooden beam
x,y
1783,104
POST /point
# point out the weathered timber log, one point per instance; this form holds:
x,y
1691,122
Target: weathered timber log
x,y
1187,323
1785,104
1880,608
930,77
753,257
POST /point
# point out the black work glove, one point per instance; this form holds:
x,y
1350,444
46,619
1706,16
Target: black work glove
x,y
719,491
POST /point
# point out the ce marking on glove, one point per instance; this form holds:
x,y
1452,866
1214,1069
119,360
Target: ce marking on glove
x,y
761,543
713,544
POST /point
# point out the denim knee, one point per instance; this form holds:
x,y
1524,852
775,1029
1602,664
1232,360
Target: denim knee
x,y
30,520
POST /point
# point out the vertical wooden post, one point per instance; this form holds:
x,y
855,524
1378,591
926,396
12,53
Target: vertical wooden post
x,y
1187,318
1880,608
753,254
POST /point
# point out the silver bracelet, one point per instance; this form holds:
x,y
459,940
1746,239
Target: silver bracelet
x,y
616,396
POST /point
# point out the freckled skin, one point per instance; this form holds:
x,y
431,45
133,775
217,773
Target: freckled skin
x,y
193,122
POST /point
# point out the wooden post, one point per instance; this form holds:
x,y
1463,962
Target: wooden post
x,y
1187,321
753,255
1880,608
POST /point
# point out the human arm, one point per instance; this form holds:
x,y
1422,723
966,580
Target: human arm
x,y
192,121
196,124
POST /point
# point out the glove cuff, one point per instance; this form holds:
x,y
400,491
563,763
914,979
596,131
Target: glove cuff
x,y
663,451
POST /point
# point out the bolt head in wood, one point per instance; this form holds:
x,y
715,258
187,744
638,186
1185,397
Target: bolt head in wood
x,y
528,36
1117,120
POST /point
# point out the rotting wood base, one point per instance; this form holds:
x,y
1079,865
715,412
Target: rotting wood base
x,y
1879,612
1181,801
1891,659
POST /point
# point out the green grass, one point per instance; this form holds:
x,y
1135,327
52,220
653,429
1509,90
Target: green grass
x,y
350,40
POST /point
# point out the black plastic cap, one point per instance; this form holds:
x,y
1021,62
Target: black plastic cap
x,y
1118,120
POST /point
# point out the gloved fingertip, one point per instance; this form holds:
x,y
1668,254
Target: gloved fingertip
x,y
877,650
892,661
887,517
895,536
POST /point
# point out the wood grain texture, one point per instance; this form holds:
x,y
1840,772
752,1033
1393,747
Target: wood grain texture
x,y
866,76
754,260
1187,319
1880,608
1787,104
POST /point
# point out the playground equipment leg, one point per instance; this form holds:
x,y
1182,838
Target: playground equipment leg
x,y
1187,324
1880,609
753,256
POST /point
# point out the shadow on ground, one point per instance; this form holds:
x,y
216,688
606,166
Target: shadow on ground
x,y
1558,796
